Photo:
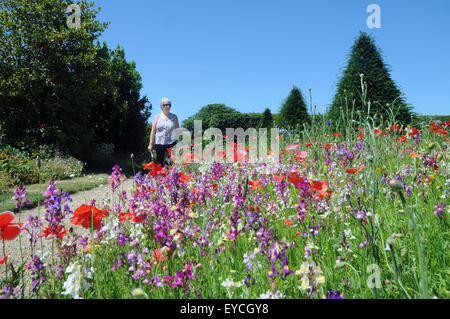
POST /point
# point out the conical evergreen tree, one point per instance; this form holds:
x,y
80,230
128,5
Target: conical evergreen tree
x,y
366,59
293,111
266,120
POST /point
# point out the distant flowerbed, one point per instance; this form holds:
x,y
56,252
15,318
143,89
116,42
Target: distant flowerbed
x,y
17,166
363,215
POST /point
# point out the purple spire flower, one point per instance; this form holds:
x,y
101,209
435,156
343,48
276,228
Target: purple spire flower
x,y
20,195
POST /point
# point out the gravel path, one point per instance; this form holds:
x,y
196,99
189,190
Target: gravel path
x,y
13,247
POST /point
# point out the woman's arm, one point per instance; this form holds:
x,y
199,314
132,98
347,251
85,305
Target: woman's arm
x,y
152,134
177,125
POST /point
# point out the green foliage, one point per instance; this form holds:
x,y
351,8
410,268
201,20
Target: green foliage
x,y
293,111
205,115
365,59
235,120
49,74
59,88
120,117
266,120
18,166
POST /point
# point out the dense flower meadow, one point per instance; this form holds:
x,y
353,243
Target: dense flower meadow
x,y
341,215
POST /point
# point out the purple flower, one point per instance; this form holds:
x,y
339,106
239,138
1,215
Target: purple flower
x,y
439,209
20,195
334,294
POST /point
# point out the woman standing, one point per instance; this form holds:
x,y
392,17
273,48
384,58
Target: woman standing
x,y
161,137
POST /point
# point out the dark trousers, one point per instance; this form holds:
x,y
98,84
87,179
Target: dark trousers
x,y
161,152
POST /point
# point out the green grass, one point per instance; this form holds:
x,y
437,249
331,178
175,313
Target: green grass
x,y
35,191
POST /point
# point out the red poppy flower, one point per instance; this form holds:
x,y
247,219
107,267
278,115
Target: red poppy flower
x,y
60,232
138,218
394,127
402,138
295,179
321,188
337,134
8,230
124,216
158,256
361,136
327,146
300,156
4,259
255,184
279,177
255,209
288,222
84,214
354,170
308,144
414,132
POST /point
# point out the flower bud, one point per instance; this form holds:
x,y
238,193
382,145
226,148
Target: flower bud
x,y
396,185
390,241
139,293
431,145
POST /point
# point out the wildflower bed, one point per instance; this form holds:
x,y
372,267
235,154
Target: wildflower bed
x,y
360,215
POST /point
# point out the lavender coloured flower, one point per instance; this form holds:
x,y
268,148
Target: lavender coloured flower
x,y
439,209
20,196
334,294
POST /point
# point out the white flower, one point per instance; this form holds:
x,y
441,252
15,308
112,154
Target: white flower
x,y
232,284
76,280
269,295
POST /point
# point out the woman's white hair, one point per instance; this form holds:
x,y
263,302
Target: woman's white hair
x,y
164,100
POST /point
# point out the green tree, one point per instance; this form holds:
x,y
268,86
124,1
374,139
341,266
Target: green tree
x,y
121,115
293,111
365,59
49,74
266,120
205,114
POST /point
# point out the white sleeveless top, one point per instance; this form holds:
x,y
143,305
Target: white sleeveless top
x,y
164,129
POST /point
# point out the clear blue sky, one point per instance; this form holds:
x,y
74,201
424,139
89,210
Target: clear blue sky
x,y
249,54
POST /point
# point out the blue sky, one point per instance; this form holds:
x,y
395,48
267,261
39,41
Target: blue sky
x,y
249,54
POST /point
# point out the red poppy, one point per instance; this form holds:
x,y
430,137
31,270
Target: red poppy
x,y
321,188
8,230
327,146
288,222
156,169
414,132
4,259
308,144
292,147
295,179
361,136
376,131
124,216
255,209
60,232
138,218
279,177
300,156
337,134
185,178
354,170
158,256
255,184
84,214
394,127
402,138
